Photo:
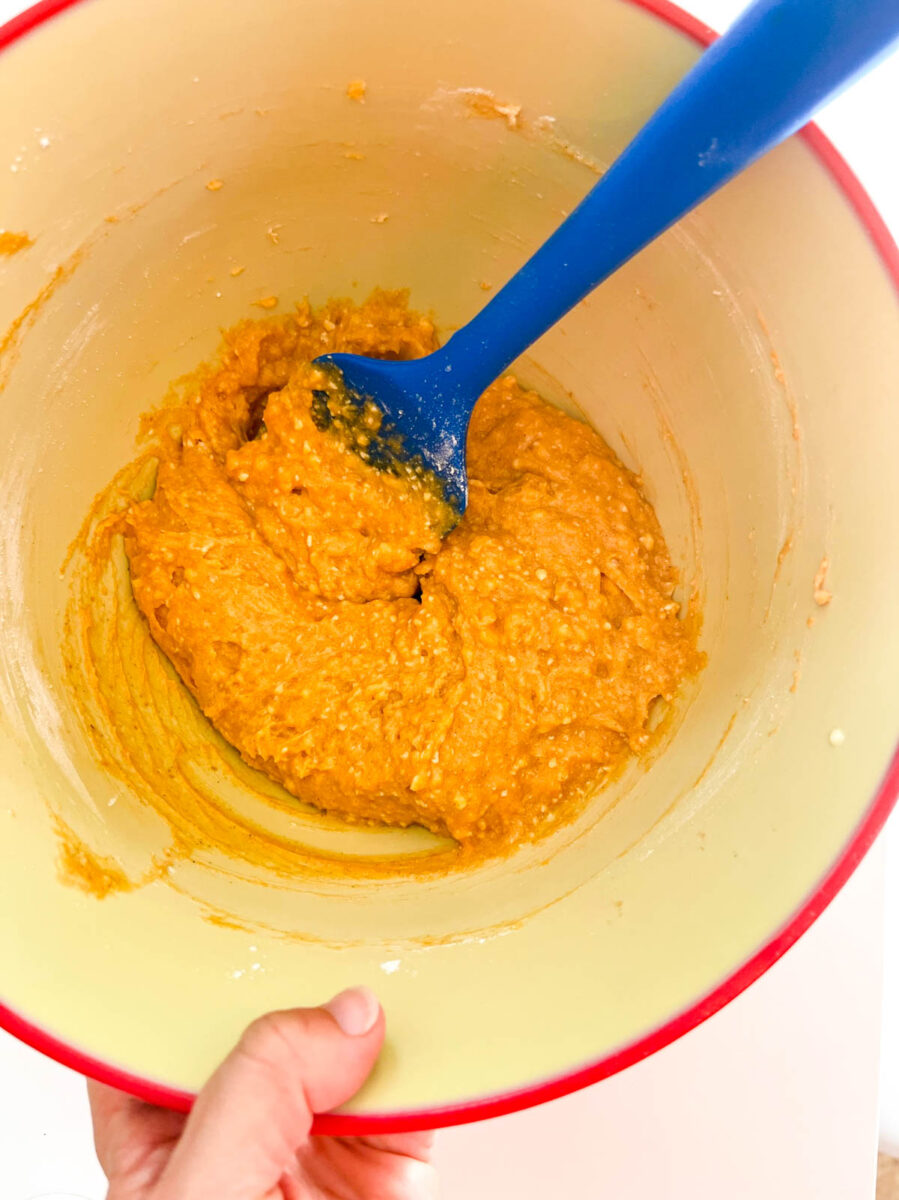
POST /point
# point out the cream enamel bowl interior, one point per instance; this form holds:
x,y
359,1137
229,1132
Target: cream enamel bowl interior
x,y
746,365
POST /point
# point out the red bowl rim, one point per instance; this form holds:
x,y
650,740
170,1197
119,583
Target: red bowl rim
x,y
351,1124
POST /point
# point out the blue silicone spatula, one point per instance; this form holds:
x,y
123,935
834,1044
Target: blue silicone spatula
x,y
751,89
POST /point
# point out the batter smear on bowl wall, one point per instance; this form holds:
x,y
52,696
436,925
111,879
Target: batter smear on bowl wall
x,y
481,683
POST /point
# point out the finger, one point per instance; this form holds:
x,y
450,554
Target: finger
x,y
255,1112
412,1145
353,1167
131,1137
107,1105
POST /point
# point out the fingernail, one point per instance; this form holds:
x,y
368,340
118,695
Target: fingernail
x,y
355,1010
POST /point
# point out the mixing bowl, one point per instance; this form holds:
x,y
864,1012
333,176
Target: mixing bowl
x,y
174,164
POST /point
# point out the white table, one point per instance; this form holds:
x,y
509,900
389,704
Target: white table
x,y
775,1097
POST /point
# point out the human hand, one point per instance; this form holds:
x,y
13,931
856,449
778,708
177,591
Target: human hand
x,y
247,1137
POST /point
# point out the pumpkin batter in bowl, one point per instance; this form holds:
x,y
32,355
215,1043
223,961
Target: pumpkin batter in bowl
x,y
477,684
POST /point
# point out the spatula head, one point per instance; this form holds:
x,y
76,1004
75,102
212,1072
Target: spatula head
x,y
418,406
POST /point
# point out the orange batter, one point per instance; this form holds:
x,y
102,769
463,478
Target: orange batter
x,y
476,683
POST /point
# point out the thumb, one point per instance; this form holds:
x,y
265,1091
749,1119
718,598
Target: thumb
x,y
255,1112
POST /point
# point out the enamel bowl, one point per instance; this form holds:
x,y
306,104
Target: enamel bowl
x,y
746,366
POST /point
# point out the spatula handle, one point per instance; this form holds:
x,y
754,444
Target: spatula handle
x,y
751,89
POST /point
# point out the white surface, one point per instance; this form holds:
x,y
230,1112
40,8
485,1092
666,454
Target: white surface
x,y
46,1147
775,1097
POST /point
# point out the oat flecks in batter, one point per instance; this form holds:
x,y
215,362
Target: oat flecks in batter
x,y
476,684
